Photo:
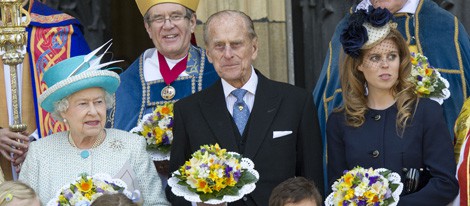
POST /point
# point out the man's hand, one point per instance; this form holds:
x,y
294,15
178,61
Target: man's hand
x,y
9,144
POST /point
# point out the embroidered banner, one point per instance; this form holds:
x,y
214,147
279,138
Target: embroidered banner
x,y
48,47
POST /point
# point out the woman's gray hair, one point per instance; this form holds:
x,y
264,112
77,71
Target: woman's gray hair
x,y
63,104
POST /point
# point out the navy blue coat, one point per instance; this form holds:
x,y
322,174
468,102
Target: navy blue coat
x,y
425,144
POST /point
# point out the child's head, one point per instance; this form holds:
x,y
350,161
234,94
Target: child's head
x,y
296,191
17,194
117,199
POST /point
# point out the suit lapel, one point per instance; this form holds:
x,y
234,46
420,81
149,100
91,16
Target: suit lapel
x,y
215,112
266,106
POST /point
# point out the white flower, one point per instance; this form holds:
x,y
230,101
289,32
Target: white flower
x,y
359,191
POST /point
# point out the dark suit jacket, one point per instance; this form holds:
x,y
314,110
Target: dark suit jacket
x,y
203,118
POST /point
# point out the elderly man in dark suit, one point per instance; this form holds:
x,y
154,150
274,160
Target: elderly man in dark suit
x,y
269,122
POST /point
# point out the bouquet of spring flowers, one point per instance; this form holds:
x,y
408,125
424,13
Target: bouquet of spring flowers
x,y
366,187
427,80
156,128
85,189
214,176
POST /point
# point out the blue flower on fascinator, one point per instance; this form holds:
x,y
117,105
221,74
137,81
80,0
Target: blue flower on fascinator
x,y
355,35
357,18
378,17
352,39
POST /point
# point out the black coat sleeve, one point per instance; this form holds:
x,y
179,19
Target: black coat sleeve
x,y
180,152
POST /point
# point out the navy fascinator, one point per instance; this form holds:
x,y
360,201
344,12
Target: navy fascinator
x,y
365,29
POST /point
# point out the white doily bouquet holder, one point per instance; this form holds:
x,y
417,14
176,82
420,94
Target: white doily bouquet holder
x,y
210,173
361,186
85,189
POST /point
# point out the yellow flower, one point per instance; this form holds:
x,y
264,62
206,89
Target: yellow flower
x,y
219,184
165,110
349,194
85,185
423,90
414,61
213,175
369,195
202,186
158,135
62,198
348,179
231,181
428,71
146,130
89,194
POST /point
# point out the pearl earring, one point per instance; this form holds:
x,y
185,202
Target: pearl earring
x,y
65,120
366,89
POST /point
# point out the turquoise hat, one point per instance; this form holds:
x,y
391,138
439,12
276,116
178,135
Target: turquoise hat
x,y
73,75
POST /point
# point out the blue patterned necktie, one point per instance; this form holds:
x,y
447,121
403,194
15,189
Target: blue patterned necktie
x,y
240,110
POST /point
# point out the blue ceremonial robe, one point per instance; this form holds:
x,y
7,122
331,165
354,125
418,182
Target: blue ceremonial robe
x,y
437,34
52,37
135,97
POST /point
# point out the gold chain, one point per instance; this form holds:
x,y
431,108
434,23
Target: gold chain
x,y
97,142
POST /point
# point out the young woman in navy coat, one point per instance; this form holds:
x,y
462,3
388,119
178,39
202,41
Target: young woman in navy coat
x,y
383,123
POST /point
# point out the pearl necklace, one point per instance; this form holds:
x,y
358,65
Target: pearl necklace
x,y
85,153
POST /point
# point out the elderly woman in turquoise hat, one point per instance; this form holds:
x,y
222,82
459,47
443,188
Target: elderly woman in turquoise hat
x,y
78,94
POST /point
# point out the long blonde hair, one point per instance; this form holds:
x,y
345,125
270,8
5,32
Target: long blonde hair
x,y
15,189
353,81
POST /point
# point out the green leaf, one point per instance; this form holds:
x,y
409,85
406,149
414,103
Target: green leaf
x,y
388,201
246,178
393,186
231,191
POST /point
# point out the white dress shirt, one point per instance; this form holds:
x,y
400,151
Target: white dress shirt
x,y
152,67
249,97
409,7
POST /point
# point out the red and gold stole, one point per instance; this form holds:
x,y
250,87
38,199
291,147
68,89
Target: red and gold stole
x,y
462,173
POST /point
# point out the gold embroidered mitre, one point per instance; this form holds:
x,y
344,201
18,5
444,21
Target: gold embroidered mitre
x,y
144,5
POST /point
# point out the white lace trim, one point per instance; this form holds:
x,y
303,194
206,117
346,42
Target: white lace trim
x,y
445,91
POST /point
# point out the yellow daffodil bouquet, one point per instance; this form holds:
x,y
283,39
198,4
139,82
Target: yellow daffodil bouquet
x,y
214,176
156,128
427,80
366,187
85,189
